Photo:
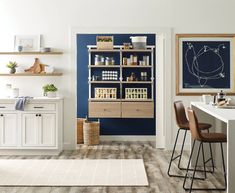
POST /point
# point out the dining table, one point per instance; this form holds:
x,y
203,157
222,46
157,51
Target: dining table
x,y
222,119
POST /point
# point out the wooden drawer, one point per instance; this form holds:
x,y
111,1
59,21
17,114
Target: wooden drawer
x,y
7,106
137,109
40,107
104,109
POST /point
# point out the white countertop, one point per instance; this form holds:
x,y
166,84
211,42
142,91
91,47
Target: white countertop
x,y
220,113
34,99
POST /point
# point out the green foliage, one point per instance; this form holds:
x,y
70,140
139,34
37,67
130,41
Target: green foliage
x,y
12,65
49,88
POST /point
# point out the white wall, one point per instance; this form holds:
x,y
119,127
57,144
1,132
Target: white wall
x,y
55,18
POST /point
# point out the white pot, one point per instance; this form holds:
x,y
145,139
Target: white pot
x,y
138,39
51,94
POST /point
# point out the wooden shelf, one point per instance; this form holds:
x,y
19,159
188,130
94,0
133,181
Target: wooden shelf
x,y
104,66
135,50
135,66
99,50
33,74
137,100
104,82
120,100
137,82
31,53
104,100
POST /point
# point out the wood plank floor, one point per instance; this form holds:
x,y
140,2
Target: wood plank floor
x,y
156,164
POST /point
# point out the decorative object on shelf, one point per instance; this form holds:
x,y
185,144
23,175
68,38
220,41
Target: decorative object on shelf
x,y
145,60
124,61
106,93
28,42
143,76
126,46
109,61
139,42
20,48
12,66
45,49
49,69
109,75
132,60
136,93
99,60
37,67
204,63
96,78
132,77
15,92
8,90
50,90
104,42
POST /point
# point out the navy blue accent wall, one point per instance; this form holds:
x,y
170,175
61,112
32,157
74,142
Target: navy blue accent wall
x,y
109,126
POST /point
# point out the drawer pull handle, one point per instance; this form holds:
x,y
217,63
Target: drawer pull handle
x,y
105,109
2,107
137,110
1,115
38,107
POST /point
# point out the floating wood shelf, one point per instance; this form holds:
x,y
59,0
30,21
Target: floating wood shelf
x,y
135,50
31,53
33,74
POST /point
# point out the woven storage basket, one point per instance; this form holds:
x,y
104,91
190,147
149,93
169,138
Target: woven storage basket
x,y
80,130
91,132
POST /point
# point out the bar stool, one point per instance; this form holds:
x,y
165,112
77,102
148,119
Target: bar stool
x,y
197,135
183,124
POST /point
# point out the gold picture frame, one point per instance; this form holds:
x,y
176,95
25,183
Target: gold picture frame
x,y
205,63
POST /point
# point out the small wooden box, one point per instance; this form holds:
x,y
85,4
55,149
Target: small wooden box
x,y
104,42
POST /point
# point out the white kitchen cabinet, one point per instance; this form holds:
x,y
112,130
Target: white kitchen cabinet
x,y
37,130
8,130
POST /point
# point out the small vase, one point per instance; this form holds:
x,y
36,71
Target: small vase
x,y
51,94
12,71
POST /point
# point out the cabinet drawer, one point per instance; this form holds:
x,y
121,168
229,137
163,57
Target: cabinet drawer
x,y
137,109
104,109
40,107
7,106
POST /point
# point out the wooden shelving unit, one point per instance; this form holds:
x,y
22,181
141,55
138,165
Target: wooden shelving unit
x,y
123,106
31,53
33,74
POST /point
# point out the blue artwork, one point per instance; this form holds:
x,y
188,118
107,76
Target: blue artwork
x,y
206,64
109,126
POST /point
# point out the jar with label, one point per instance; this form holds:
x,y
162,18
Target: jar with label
x,y
14,92
109,61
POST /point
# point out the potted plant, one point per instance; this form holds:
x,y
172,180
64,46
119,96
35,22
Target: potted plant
x,y
12,66
50,90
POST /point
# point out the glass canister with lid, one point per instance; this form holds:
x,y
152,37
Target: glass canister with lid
x,y
99,60
109,61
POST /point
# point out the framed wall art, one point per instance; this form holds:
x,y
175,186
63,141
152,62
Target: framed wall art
x,y
27,42
205,63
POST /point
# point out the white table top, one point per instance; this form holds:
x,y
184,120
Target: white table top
x,y
225,115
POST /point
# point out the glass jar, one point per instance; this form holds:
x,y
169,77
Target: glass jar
x,y
109,61
8,90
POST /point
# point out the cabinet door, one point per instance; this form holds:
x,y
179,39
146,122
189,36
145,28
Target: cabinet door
x,y
47,131
30,127
8,129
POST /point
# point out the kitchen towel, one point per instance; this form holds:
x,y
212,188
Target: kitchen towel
x,y
21,101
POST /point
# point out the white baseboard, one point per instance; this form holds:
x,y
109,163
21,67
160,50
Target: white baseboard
x,y
128,138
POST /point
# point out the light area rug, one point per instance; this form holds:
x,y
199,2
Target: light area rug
x,y
73,172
